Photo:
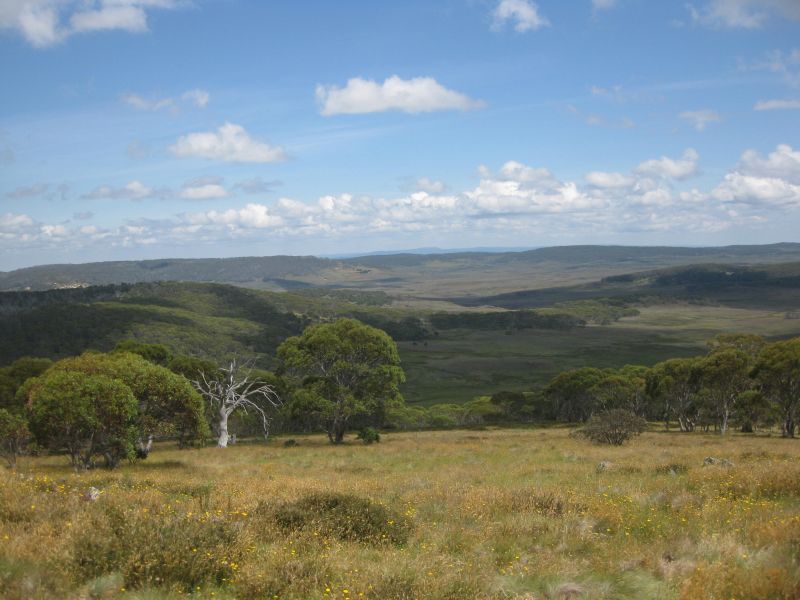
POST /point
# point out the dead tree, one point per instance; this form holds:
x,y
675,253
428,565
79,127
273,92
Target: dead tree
x,y
236,390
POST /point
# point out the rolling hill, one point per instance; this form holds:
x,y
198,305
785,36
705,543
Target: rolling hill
x,y
417,275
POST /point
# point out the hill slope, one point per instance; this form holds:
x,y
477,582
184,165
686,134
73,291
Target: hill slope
x,y
419,275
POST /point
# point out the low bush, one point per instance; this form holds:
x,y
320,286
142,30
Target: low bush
x,y
344,517
369,435
175,551
672,469
613,427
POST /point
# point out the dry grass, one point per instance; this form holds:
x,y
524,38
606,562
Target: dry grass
x,y
488,514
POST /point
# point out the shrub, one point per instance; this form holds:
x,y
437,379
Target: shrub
x,y
345,517
171,550
83,415
14,435
613,427
672,469
368,435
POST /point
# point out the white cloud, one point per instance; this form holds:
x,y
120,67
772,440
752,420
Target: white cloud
x,y
230,143
671,168
519,188
746,189
513,199
603,179
700,119
252,216
204,192
426,184
416,95
745,14
43,23
200,98
10,222
127,17
783,163
524,14
203,188
777,105
135,190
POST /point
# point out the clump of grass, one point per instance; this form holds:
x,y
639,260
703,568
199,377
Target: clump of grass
x,y
730,580
344,517
176,551
672,469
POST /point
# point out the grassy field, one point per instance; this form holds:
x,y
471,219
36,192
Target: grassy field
x,y
460,514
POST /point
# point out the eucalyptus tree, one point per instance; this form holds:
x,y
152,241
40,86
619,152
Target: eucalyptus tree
x,y
676,383
778,372
343,370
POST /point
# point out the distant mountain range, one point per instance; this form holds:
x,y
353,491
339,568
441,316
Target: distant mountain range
x,y
435,274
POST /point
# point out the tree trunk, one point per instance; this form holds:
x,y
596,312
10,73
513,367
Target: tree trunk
x,y
222,442
788,427
723,426
336,431
143,448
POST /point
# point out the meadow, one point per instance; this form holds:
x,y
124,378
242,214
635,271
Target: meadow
x,y
497,513
458,364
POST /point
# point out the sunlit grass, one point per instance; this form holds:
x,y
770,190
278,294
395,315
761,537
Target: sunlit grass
x,y
488,514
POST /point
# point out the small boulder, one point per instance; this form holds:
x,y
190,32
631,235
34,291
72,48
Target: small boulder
x,y
91,494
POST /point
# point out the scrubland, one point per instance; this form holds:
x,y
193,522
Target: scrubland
x,y
512,513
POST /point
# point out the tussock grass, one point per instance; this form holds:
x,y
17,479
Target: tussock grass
x,y
500,515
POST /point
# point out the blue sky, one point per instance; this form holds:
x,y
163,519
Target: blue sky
x,y
163,128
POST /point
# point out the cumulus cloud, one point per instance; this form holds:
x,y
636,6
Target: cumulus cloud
x,y
512,198
783,163
523,14
416,95
777,105
252,216
426,184
672,168
134,190
602,179
43,23
229,143
203,188
744,14
700,119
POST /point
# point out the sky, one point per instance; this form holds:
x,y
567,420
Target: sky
x,y
134,129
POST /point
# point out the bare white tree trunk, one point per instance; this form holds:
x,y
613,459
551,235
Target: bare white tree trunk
x,y
222,442
236,391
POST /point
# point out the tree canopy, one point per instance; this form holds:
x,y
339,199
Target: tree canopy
x,y
83,415
344,369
